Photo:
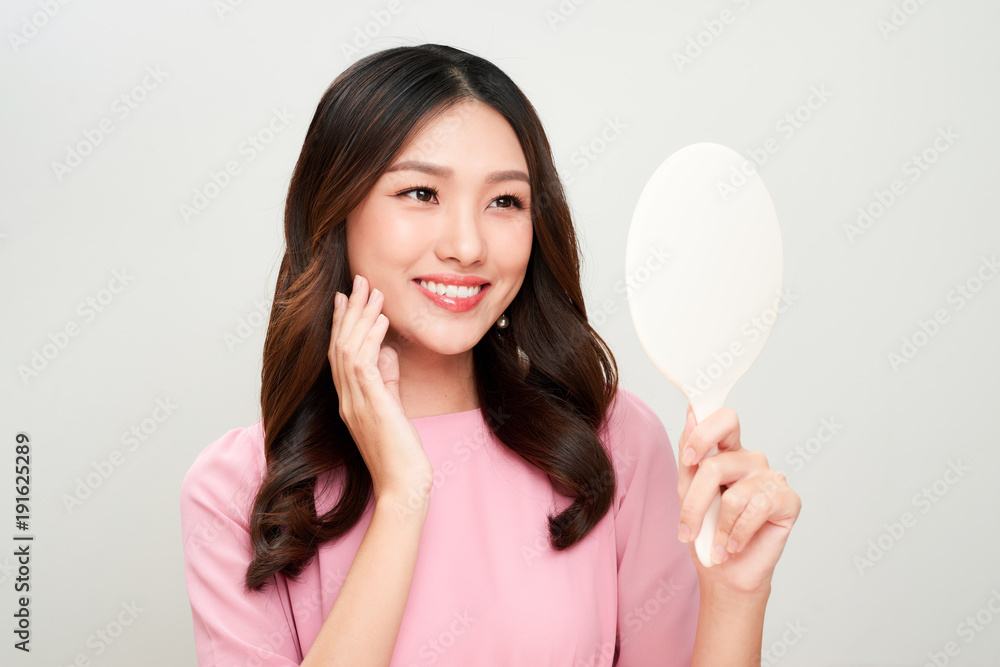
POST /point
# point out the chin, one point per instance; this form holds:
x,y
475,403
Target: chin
x,y
452,347
457,347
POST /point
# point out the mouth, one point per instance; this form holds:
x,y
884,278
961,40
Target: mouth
x,y
451,289
456,298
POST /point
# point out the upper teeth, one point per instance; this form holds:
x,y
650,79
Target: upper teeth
x,y
460,291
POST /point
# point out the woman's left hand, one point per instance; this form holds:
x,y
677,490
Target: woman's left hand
x,y
757,511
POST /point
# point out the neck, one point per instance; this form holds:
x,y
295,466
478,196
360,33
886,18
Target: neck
x,y
435,384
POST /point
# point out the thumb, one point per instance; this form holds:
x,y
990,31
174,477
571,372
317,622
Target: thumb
x,y
689,425
388,367
685,473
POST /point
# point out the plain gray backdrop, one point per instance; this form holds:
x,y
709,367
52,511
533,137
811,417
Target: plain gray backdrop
x,y
876,394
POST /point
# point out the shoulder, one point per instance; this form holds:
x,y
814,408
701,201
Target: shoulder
x,y
225,476
630,424
635,439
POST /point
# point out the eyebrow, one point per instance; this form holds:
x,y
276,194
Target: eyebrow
x,y
446,172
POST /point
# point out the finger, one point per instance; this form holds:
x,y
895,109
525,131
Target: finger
x,y
355,303
339,305
336,343
720,429
350,329
362,326
735,500
388,367
725,468
685,473
362,348
344,315
367,360
772,501
345,346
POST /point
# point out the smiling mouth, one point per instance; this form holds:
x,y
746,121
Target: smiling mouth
x,y
453,291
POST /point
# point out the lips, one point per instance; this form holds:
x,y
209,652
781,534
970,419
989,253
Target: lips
x,y
455,304
456,279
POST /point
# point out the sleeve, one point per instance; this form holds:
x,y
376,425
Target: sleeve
x,y
657,582
231,627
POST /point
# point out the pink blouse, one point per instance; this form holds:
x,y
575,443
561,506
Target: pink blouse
x,y
487,589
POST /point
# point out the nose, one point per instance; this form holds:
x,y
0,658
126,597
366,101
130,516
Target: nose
x,y
461,237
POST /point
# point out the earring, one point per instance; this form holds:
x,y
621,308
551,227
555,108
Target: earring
x,y
503,321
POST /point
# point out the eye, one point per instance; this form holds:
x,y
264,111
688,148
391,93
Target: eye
x,y
426,195
509,201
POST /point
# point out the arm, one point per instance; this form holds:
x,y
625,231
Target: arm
x,y
730,628
234,627
231,626
361,628
755,517
657,583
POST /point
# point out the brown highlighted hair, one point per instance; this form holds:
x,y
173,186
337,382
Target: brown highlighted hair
x,y
544,383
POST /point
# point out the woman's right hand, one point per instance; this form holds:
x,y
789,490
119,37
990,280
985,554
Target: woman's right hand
x,y
366,376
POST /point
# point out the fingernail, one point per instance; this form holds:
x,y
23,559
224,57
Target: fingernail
x,y
357,282
371,297
689,456
683,533
336,300
733,546
718,554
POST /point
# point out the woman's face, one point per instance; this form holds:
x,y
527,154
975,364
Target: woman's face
x,y
451,214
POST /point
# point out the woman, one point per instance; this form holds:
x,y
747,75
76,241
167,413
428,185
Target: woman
x,y
446,471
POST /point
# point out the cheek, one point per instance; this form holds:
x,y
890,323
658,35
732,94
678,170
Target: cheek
x,y
376,239
511,251
519,246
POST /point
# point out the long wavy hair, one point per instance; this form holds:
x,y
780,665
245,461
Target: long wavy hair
x,y
544,383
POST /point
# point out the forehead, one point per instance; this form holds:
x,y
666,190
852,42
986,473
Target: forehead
x,y
468,133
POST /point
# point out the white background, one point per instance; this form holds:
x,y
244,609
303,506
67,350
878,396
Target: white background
x,y
193,287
